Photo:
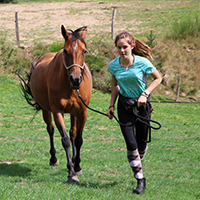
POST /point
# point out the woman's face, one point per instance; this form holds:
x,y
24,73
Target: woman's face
x,y
124,48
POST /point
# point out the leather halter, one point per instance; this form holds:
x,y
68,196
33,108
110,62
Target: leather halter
x,y
73,65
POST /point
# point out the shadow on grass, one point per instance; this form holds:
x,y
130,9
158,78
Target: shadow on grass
x,y
97,184
14,170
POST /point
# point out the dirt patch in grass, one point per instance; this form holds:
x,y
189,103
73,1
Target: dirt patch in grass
x,y
9,162
42,21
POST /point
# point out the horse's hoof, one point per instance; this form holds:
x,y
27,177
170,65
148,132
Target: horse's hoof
x,y
73,179
54,164
79,173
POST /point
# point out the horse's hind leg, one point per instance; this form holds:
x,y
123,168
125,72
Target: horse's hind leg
x,y
50,129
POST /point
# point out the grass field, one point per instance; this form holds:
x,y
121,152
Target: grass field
x,y
172,163
171,166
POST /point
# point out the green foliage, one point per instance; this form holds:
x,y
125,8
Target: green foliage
x,y
101,52
6,51
40,49
192,91
151,37
186,27
7,1
159,65
96,63
171,165
13,59
56,46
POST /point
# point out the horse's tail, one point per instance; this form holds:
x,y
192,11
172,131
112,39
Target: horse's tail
x,y
26,90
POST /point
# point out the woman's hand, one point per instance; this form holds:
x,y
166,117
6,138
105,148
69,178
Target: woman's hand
x,y
110,112
142,100
114,93
157,80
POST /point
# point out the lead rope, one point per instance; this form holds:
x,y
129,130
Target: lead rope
x,y
139,118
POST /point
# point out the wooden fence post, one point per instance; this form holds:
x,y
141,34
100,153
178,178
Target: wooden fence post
x,y
178,88
17,28
113,22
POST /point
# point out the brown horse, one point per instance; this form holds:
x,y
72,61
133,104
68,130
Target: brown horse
x,y
53,82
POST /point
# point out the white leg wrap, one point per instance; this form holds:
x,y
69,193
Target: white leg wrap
x,y
142,153
135,163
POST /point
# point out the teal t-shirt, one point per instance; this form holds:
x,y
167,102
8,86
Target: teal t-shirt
x,y
133,81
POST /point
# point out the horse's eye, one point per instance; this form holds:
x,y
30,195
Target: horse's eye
x,y
65,51
85,51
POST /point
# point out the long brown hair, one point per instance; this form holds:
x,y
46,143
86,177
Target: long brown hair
x,y
140,48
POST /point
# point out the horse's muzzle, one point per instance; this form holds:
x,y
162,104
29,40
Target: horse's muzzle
x,y
75,82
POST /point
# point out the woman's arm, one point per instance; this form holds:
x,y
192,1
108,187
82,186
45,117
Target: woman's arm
x,y
114,94
154,84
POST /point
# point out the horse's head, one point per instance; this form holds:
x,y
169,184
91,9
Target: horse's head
x,y
74,54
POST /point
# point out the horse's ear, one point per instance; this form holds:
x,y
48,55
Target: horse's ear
x,y
84,32
64,32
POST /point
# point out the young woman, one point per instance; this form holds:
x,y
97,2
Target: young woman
x,y
129,76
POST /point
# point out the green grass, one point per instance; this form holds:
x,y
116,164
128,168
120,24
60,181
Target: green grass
x,y
187,26
171,165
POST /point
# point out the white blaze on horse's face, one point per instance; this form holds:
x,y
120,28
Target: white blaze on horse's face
x,y
75,47
75,73
75,52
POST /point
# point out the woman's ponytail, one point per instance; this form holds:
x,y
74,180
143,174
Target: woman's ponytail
x,y
142,49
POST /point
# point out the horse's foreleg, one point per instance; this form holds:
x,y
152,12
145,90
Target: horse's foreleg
x,y
50,129
75,144
79,141
58,118
72,133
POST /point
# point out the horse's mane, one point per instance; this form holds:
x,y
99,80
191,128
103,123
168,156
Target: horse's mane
x,y
76,34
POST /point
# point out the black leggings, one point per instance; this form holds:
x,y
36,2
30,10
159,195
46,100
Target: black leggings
x,y
133,141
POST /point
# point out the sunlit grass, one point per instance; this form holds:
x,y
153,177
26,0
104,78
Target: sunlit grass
x,y
171,164
187,26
